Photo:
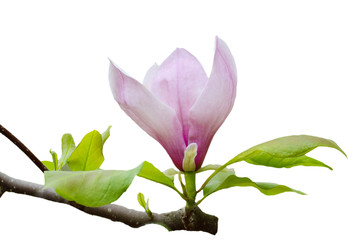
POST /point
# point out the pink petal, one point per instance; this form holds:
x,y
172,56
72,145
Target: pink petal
x,y
150,75
178,82
216,101
153,116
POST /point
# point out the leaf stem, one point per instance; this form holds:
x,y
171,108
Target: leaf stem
x,y
23,148
211,176
182,184
202,199
181,195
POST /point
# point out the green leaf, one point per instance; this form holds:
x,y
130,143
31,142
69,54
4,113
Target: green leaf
x,y
213,167
286,152
55,159
68,147
105,134
148,211
100,187
224,180
150,172
141,200
144,204
88,154
90,188
171,172
49,165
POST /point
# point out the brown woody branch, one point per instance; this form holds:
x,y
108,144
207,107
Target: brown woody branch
x,y
23,148
176,220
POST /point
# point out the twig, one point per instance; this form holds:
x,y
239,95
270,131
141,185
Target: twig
x,y
23,148
197,221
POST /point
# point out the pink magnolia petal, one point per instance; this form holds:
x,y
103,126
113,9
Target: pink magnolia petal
x,y
153,116
215,102
150,75
178,82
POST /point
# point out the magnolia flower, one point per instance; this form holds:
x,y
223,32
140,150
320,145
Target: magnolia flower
x,y
178,105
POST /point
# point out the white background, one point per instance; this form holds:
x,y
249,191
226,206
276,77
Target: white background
x,y
299,72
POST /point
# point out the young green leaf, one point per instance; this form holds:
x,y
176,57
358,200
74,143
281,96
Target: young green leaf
x,y
285,152
148,211
224,180
106,134
88,154
212,167
171,172
141,200
68,147
55,159
90,188
151,173
144,204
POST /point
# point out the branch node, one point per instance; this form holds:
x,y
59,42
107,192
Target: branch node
x,y
196,220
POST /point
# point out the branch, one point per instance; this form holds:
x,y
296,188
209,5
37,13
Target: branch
x,y
23,148
176,220
194,220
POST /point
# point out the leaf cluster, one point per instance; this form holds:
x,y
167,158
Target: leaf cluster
x,y
77,176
